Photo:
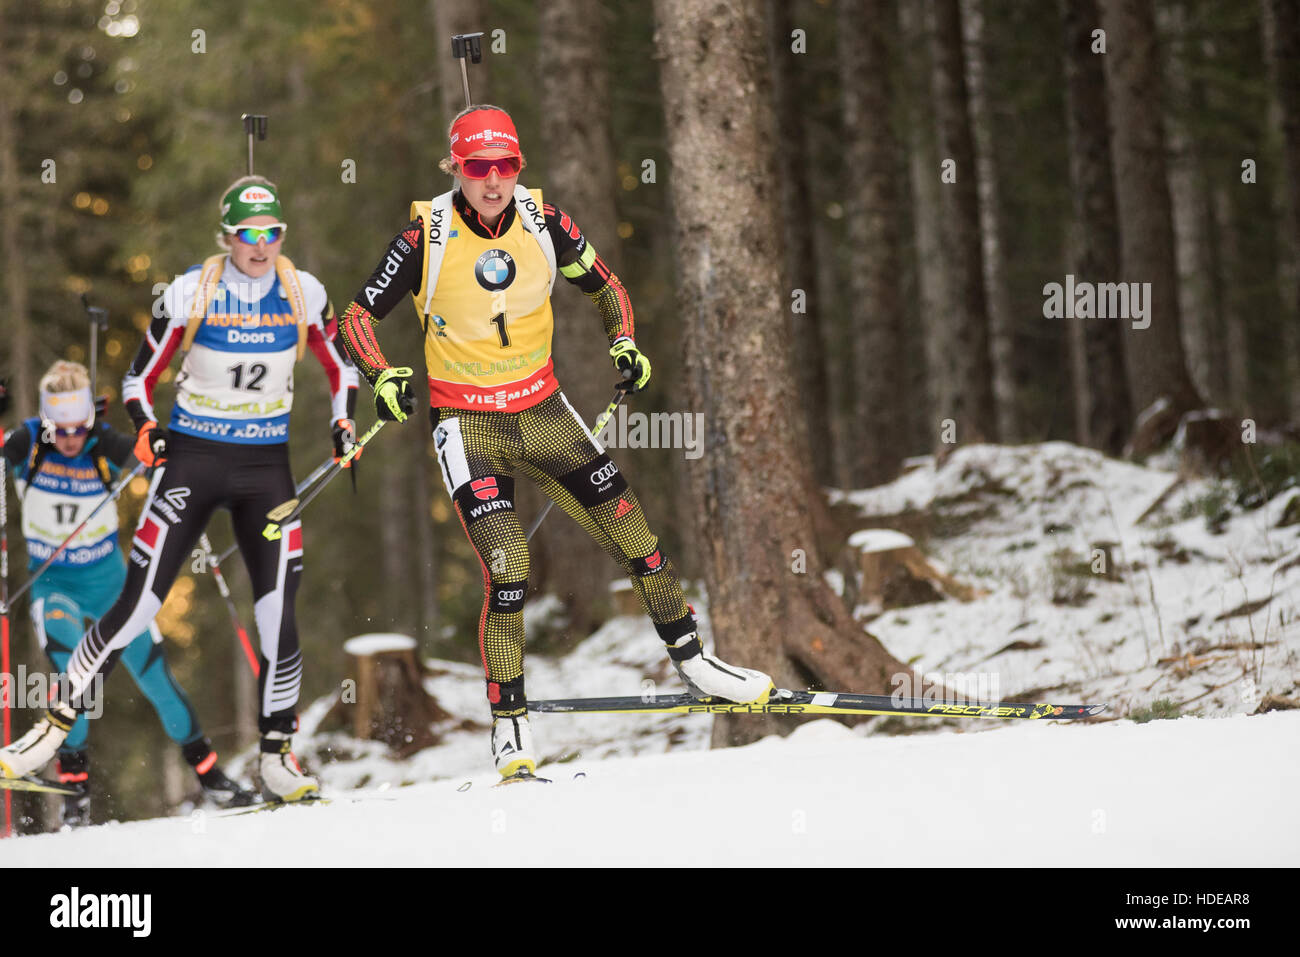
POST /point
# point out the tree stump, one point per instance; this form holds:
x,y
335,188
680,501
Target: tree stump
x,y
1208,439
1155,425
388,702
896,574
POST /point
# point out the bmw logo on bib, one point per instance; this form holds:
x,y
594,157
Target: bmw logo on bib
x,y
495,269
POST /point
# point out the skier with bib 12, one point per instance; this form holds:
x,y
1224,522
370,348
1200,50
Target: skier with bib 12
x,y
479,262
241,320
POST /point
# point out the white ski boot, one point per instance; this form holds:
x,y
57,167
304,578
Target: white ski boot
x,y
37,747
282,779
707,677
512,746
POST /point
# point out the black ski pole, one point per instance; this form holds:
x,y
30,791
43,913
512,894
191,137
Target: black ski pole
x,y
287,512
299,489
620,391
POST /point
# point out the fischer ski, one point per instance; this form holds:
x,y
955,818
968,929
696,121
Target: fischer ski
x,y
783,701
277,805
269,806
32,783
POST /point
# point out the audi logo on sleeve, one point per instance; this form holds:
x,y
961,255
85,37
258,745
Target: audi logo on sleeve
x,y
604,473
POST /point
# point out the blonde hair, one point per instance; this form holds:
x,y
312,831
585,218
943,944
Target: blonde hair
x,y
65,376
448,163
222,239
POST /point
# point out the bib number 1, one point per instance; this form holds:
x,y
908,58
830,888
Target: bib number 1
x,y
499,320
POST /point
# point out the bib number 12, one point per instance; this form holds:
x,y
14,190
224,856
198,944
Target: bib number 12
x,y
255,373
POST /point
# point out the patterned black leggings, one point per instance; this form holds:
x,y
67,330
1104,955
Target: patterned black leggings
x,y
479,453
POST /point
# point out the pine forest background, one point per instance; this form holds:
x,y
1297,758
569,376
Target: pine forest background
x,y
835,218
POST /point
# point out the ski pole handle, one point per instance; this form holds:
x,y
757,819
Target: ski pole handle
x,y
287,512
254,124
301,487
467,45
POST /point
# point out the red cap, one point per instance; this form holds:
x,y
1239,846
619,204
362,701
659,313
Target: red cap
x,y
483,130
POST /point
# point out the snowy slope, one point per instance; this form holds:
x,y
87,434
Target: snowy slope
x,y
1209,621
1189,792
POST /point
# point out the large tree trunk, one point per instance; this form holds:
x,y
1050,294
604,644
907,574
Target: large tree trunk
x,y
22,385
1156,362
1236,335
1196,229
582,180
927,215
755,497
872,154
966,376
1105,413
805,327
1281,25
993,229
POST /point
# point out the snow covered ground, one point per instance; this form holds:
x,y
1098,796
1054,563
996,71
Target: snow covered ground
x,y
1194,791
1208,620
1203,620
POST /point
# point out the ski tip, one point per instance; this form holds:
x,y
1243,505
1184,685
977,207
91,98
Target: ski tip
x,y
32,782
520,778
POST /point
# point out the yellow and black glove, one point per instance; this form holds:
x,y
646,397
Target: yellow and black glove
x,y
632,362
394,397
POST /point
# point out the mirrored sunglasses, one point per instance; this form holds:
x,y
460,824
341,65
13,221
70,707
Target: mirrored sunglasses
x,y
506,166
249,235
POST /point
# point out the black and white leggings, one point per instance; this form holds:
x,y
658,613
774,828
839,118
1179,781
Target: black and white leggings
x,y
198,477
